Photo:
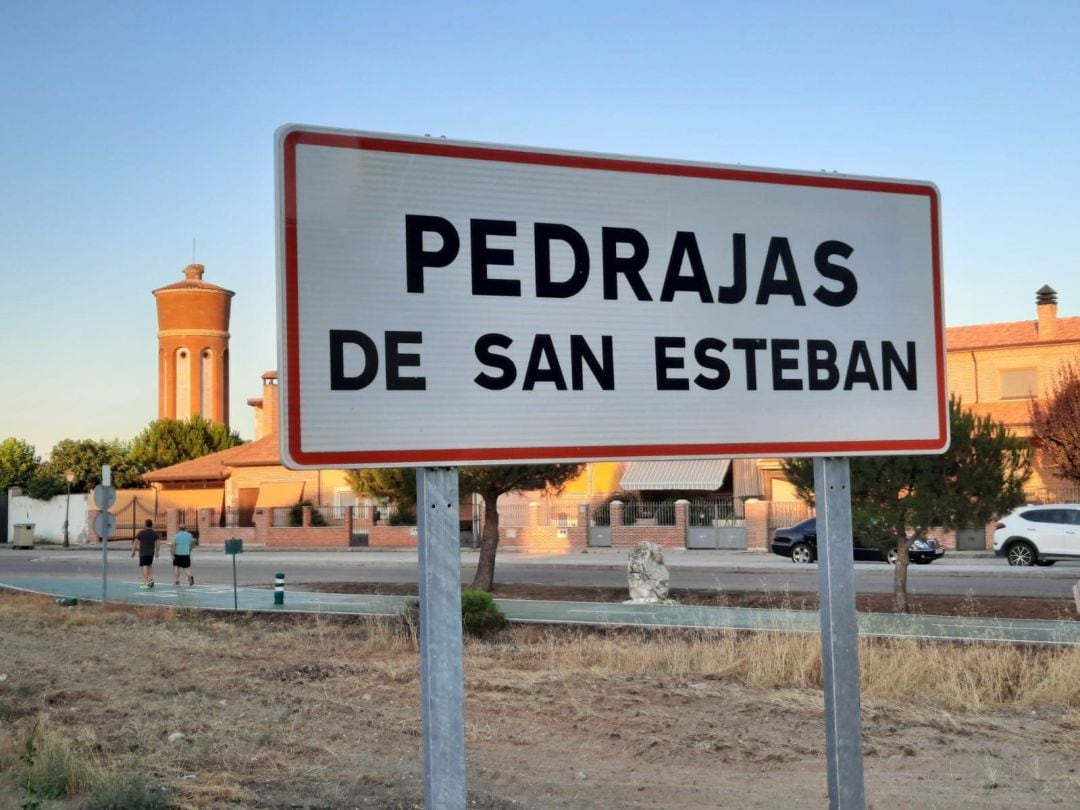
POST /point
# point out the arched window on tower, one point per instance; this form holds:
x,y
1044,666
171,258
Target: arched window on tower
x,y
183,384
206,383
163,382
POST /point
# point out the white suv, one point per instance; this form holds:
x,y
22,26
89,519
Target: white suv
x,y
1039,535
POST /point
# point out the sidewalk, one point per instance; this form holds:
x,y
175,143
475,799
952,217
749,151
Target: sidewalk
x,y
224,598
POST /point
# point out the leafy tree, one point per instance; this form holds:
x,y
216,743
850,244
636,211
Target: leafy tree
x,y
491,482
396,483
488,482
1056,424
85,457
165,442
45,487
979,477
18,464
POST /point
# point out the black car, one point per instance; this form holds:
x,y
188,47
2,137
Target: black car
x,y
800,543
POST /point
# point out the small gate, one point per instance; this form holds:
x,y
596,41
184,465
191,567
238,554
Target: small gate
x,y
971,539
716,524
133,508
599,529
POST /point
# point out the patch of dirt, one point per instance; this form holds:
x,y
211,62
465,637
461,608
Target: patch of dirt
x,y
984,606
308,712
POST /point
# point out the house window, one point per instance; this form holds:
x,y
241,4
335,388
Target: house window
x,y
345,497
1019,383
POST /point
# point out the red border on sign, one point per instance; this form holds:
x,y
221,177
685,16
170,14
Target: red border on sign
x,y
438,148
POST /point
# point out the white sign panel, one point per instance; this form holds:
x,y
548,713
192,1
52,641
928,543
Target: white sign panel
x,y
447,303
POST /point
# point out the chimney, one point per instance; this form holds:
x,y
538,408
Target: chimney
x,y
1046,307
266,406
270,403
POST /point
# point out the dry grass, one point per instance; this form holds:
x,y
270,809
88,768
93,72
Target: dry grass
x,y
958,677
284,710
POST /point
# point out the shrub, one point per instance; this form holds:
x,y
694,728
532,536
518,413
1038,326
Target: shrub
x,y
402,515
478,612
45,487
296,515
53,768
128,792
479,615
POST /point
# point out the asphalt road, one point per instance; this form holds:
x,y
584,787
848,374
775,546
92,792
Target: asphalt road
x,y
958,574
39,573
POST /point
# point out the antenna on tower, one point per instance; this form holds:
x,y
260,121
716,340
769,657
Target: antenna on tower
x,y
193,250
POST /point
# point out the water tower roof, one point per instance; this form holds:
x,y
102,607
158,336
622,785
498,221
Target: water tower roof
x,y
193,280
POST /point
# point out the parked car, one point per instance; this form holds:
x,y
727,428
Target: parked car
x,y
1039,535
800,543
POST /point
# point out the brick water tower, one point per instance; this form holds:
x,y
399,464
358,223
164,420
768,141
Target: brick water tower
x,y
193,348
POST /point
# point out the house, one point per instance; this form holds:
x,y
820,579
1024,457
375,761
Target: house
x,y
997,369
245,491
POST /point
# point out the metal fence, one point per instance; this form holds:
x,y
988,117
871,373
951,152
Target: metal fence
x,y
563,514
557,513
365,516
333,515
788,513
188,517
281,517
1052,495
716,512
648,513
712,512
513,515
234,518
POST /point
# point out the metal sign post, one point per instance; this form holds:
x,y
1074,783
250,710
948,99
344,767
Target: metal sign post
x,y
442,687
105,523
233,547
839,634
809,323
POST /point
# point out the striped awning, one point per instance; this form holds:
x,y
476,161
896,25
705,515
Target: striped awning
x,y
704,474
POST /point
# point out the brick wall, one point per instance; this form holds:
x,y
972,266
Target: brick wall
x,y
623,536
392,537
757,525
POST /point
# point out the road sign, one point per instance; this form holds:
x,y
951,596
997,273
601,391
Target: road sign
x,y
446,303
104,496
104,525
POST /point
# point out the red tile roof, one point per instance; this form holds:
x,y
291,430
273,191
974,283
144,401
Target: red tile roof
x,y
1015,333
216,466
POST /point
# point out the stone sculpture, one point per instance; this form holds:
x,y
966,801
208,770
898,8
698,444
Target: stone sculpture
x,y
647,576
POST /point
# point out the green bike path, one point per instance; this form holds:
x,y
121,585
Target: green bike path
x,y
221,597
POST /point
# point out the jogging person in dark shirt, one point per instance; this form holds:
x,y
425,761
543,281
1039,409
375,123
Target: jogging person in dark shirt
x,y
148,544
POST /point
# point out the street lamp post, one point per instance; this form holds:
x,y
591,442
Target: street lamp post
x,y
69,476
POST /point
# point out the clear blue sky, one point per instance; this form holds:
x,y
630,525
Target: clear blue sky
x,y
129,128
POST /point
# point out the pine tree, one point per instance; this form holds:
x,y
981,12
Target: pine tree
x,y
979,477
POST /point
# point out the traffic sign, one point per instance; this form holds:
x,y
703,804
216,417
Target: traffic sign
x,y
104,525
104,496
448,303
